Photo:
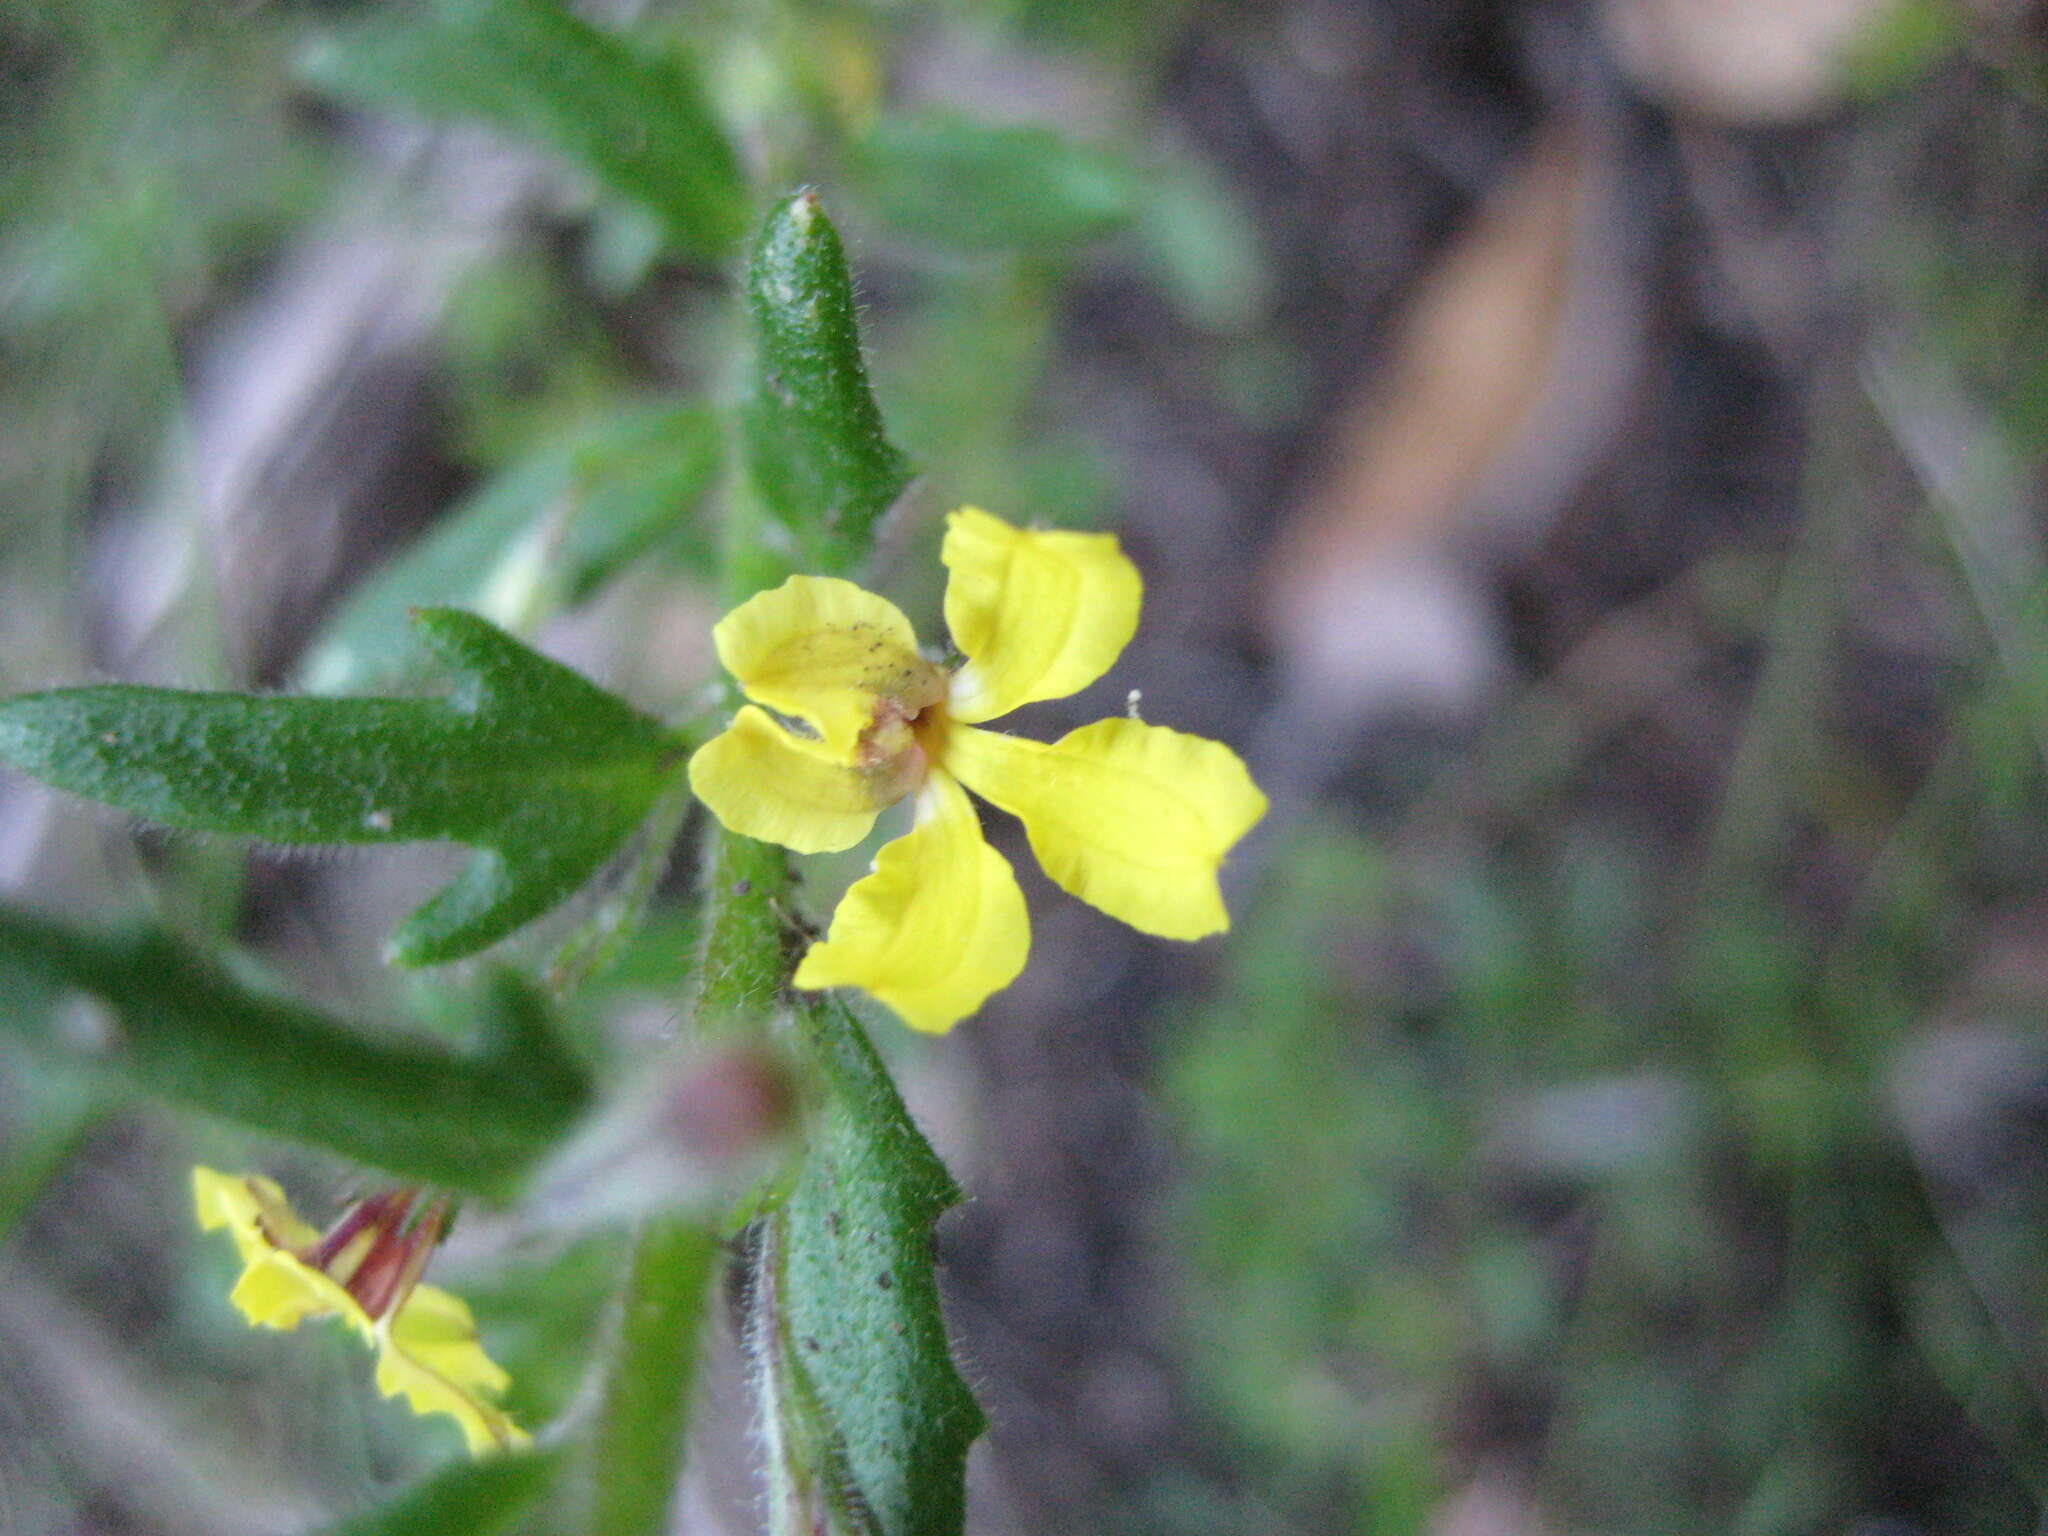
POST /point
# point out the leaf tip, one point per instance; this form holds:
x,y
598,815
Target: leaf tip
x,y
796,228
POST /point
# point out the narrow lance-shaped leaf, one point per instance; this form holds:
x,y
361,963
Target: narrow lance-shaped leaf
x,y
548,530
865,1421
637,122
977,186
637,1450
543,772
816,451
188,1032
871,1421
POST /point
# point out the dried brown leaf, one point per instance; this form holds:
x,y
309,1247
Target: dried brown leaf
x,y
1505,373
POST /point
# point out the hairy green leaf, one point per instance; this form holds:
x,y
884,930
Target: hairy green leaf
x,y
872,1420
865,1421
476,1498
187,1031
815,448
547,531
543,772
637,122
637,1451
969,185
748,947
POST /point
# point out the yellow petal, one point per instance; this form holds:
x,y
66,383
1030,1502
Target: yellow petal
x,y
276,1288
1038,615
1134,819
826,652
280,1291
429,1355
246,1207
937,927
427,1350
761,783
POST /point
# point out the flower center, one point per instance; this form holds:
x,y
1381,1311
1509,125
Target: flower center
x,y
905,734
930,729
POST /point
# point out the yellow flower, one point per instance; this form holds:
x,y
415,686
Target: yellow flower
x,y
364,1270
847,717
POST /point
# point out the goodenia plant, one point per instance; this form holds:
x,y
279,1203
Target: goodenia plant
x,y
553,784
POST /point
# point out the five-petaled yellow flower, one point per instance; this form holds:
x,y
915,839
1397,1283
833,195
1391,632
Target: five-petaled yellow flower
x,y
1134,819
365,1270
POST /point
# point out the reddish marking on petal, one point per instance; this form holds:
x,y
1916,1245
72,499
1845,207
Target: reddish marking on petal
x,y
422,1238
375,1284
361,1216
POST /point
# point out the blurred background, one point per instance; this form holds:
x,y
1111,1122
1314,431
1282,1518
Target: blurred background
x,y
1588,456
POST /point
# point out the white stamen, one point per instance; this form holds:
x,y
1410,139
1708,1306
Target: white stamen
x,y
963,687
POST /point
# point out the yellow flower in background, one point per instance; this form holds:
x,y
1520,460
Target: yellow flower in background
x,y
848,717
364,1270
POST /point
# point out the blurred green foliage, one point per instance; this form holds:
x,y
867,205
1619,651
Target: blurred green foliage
x,y
524,760
479,1499
541,535
1464,1186
1510,1141
638,121
160,157
189,1033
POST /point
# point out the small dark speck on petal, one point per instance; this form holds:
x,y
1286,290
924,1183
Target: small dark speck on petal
x,y
883,1280
741,887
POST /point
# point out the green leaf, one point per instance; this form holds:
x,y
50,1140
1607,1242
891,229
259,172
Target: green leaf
x,y
975,186
748,949
477,1498
1204,245
872,1420
1901,42
637,1451
543,772
53,1126
637,122
547,531
814,442
545,1310
189,1032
